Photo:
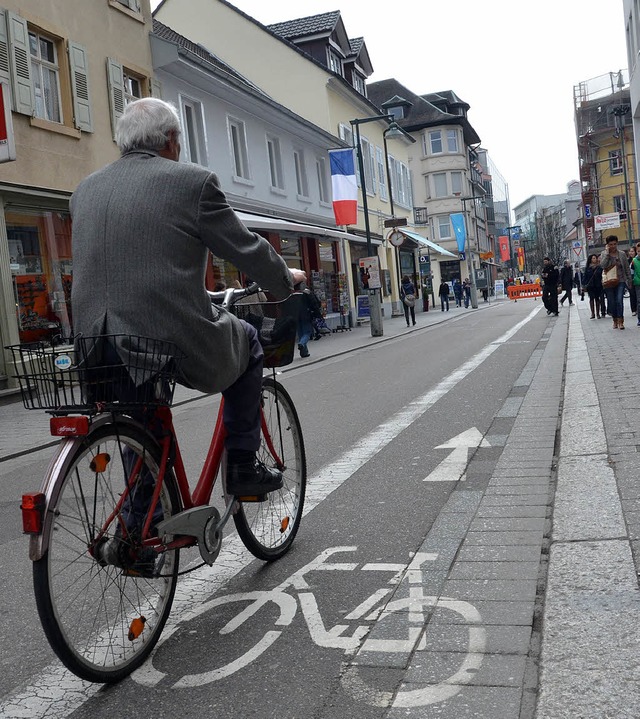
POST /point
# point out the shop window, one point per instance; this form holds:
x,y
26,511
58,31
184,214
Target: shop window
x,y
48,75
325,281
290,251
40,264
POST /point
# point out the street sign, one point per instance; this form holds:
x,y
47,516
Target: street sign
x,y
425,259
607,222
396,222
587,211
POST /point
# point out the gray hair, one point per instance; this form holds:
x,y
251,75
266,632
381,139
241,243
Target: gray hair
x,y
145,125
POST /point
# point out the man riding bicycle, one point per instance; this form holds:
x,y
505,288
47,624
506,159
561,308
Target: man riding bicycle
x,y
143,227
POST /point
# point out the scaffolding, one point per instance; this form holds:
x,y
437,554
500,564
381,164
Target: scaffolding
x,y
604,132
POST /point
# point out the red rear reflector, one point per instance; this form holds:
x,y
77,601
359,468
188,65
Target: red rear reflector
x,y
32,507
69,426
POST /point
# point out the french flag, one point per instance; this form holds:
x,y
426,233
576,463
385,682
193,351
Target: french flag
x,y
344,186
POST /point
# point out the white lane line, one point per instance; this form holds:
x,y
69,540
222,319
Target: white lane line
x,y
57,692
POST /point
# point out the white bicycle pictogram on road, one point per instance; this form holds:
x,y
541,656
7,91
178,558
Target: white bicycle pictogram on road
x,y
353,640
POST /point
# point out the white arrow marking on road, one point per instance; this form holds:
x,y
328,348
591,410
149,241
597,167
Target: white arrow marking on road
x,y
452,468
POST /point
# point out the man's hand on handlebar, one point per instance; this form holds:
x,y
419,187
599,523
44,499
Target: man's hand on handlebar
x,y
297,276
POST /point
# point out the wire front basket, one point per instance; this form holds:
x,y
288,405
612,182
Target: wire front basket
x,y
277,325
104,372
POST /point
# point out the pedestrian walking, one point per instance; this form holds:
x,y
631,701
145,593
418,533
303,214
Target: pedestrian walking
x,y
408,297
616,276
566,281
632,290
592,285
550,277
466,290
443,293
305,324
457,292
635,290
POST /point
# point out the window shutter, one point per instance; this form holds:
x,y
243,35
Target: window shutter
x,y
78,64
20,64
115,82
5,75
155,88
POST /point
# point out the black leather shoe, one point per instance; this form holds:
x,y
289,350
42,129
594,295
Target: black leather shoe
x,y
252,478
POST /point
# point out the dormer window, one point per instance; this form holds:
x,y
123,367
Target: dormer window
x,y
358,83
397,112
335,62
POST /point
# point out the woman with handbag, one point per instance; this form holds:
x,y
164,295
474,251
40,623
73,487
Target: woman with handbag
x,y
408,297
592,284
615,277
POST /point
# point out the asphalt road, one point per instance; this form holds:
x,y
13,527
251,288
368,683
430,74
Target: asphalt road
x,y
378,418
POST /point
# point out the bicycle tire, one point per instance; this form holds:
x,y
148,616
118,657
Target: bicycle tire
x,y
268,528
88,608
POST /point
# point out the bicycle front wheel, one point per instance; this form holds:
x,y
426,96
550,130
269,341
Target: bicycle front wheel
x,y
268,528
102,596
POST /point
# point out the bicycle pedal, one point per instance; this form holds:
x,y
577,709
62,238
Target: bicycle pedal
x,y
253,498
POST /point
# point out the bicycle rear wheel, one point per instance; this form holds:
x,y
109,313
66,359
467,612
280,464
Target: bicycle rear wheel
x,y
268,528
103,599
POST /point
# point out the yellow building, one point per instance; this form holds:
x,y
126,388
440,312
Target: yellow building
x,y
606,155
67,84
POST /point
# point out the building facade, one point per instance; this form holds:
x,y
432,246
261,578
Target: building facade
x,y
66,85
324,83
605,137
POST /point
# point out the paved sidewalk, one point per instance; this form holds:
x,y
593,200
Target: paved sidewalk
x,y
23,431
591,633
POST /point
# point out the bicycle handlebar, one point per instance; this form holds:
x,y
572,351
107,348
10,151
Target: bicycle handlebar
x,y
228,297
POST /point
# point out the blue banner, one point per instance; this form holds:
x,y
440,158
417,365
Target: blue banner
x,y
457,221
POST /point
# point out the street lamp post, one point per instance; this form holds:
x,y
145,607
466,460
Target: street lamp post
x,y
393,131
470,269
375,299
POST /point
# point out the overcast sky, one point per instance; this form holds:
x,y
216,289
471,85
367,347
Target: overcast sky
x,y
515,65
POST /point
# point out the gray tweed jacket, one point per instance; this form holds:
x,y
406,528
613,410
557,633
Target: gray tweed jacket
x,y
142,228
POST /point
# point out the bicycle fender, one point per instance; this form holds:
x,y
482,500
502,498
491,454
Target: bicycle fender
x,y
38,544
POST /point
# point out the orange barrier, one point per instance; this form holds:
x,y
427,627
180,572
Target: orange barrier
x,y
516,292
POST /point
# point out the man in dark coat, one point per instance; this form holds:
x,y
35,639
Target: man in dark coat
x,y
550,277
566,280
142,230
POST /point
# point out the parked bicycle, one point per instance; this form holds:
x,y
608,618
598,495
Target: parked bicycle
x,y
115,507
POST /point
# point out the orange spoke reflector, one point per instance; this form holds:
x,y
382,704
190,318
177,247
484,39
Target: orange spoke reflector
x,y
284,525
136,627
99,462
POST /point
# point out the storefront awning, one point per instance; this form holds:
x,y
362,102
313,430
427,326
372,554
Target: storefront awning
x,y
259,222
427,243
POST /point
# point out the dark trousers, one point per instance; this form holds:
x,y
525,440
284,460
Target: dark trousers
x,y
567,296
241,413
409,310
550,298
615,299
444,301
